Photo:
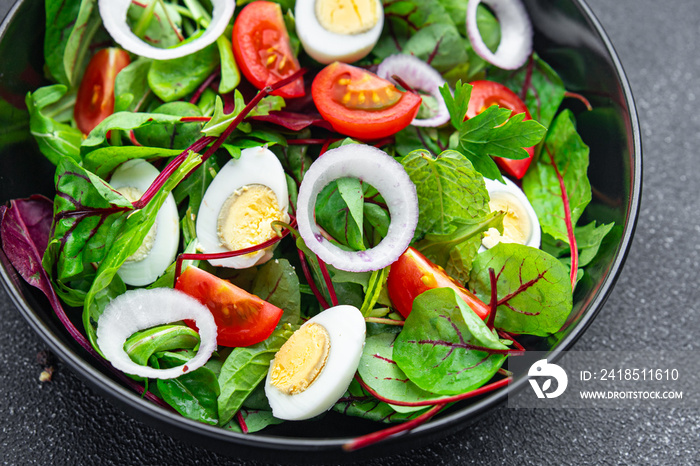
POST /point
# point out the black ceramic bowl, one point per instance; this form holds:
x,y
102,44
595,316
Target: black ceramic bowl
x,y
567,36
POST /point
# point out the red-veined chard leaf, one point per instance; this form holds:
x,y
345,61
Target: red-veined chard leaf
x,y
25,227
533,288
444,347
381,373
563,160
106,284
451,193
55,139
88,215
255,420
357,402
70,26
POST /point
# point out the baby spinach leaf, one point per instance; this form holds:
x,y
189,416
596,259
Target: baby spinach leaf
x,y
230,75
104,160
172,135
538,85
55,139
131,86
195,186
357,402
142,345
338,211
70,26
443,347
244,369
174,79
123,121
563,162
533,288
193,394
277,283
440,45
384,376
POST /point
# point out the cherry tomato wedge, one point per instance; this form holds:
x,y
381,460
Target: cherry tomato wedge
x,y
242,318
95,99
262,50
360,104
487,93
413,273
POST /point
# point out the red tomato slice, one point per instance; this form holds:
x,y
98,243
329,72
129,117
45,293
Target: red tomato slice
x,y
242,319
413,273
360,104
487,93
95,99
262,50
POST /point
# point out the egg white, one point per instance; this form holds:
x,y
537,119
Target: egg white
x,y
495,187
346,328
140,174
325,46
257,165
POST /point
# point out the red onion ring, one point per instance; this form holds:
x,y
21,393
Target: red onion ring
x,y
373,166
113,13
142,308
516,33
419,75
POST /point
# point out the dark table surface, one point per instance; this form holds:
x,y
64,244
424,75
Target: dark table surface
x,y
654,305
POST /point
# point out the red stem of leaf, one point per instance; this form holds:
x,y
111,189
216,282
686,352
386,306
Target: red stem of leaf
x,y
310,280
241,422
579,97
403,84
203,87
567,219
493,304
508,336
374,437
329,283
527,82
225,255
447,399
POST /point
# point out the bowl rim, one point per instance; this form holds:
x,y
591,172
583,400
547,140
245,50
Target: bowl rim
x,y
147,410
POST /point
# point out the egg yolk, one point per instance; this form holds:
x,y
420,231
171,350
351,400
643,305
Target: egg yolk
x,y
300,359
516,224
347,16
134,194
245,217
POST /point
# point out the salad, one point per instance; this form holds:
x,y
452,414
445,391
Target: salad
x,y
268,210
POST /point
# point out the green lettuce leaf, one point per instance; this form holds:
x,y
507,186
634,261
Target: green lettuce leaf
x,y
55,139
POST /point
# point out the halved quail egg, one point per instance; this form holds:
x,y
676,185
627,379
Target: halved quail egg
x,y
159,248
239,206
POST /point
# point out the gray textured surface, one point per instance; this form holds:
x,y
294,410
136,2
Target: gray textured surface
x,y
654,305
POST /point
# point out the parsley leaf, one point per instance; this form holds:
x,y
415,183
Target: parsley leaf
x,y
492,133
